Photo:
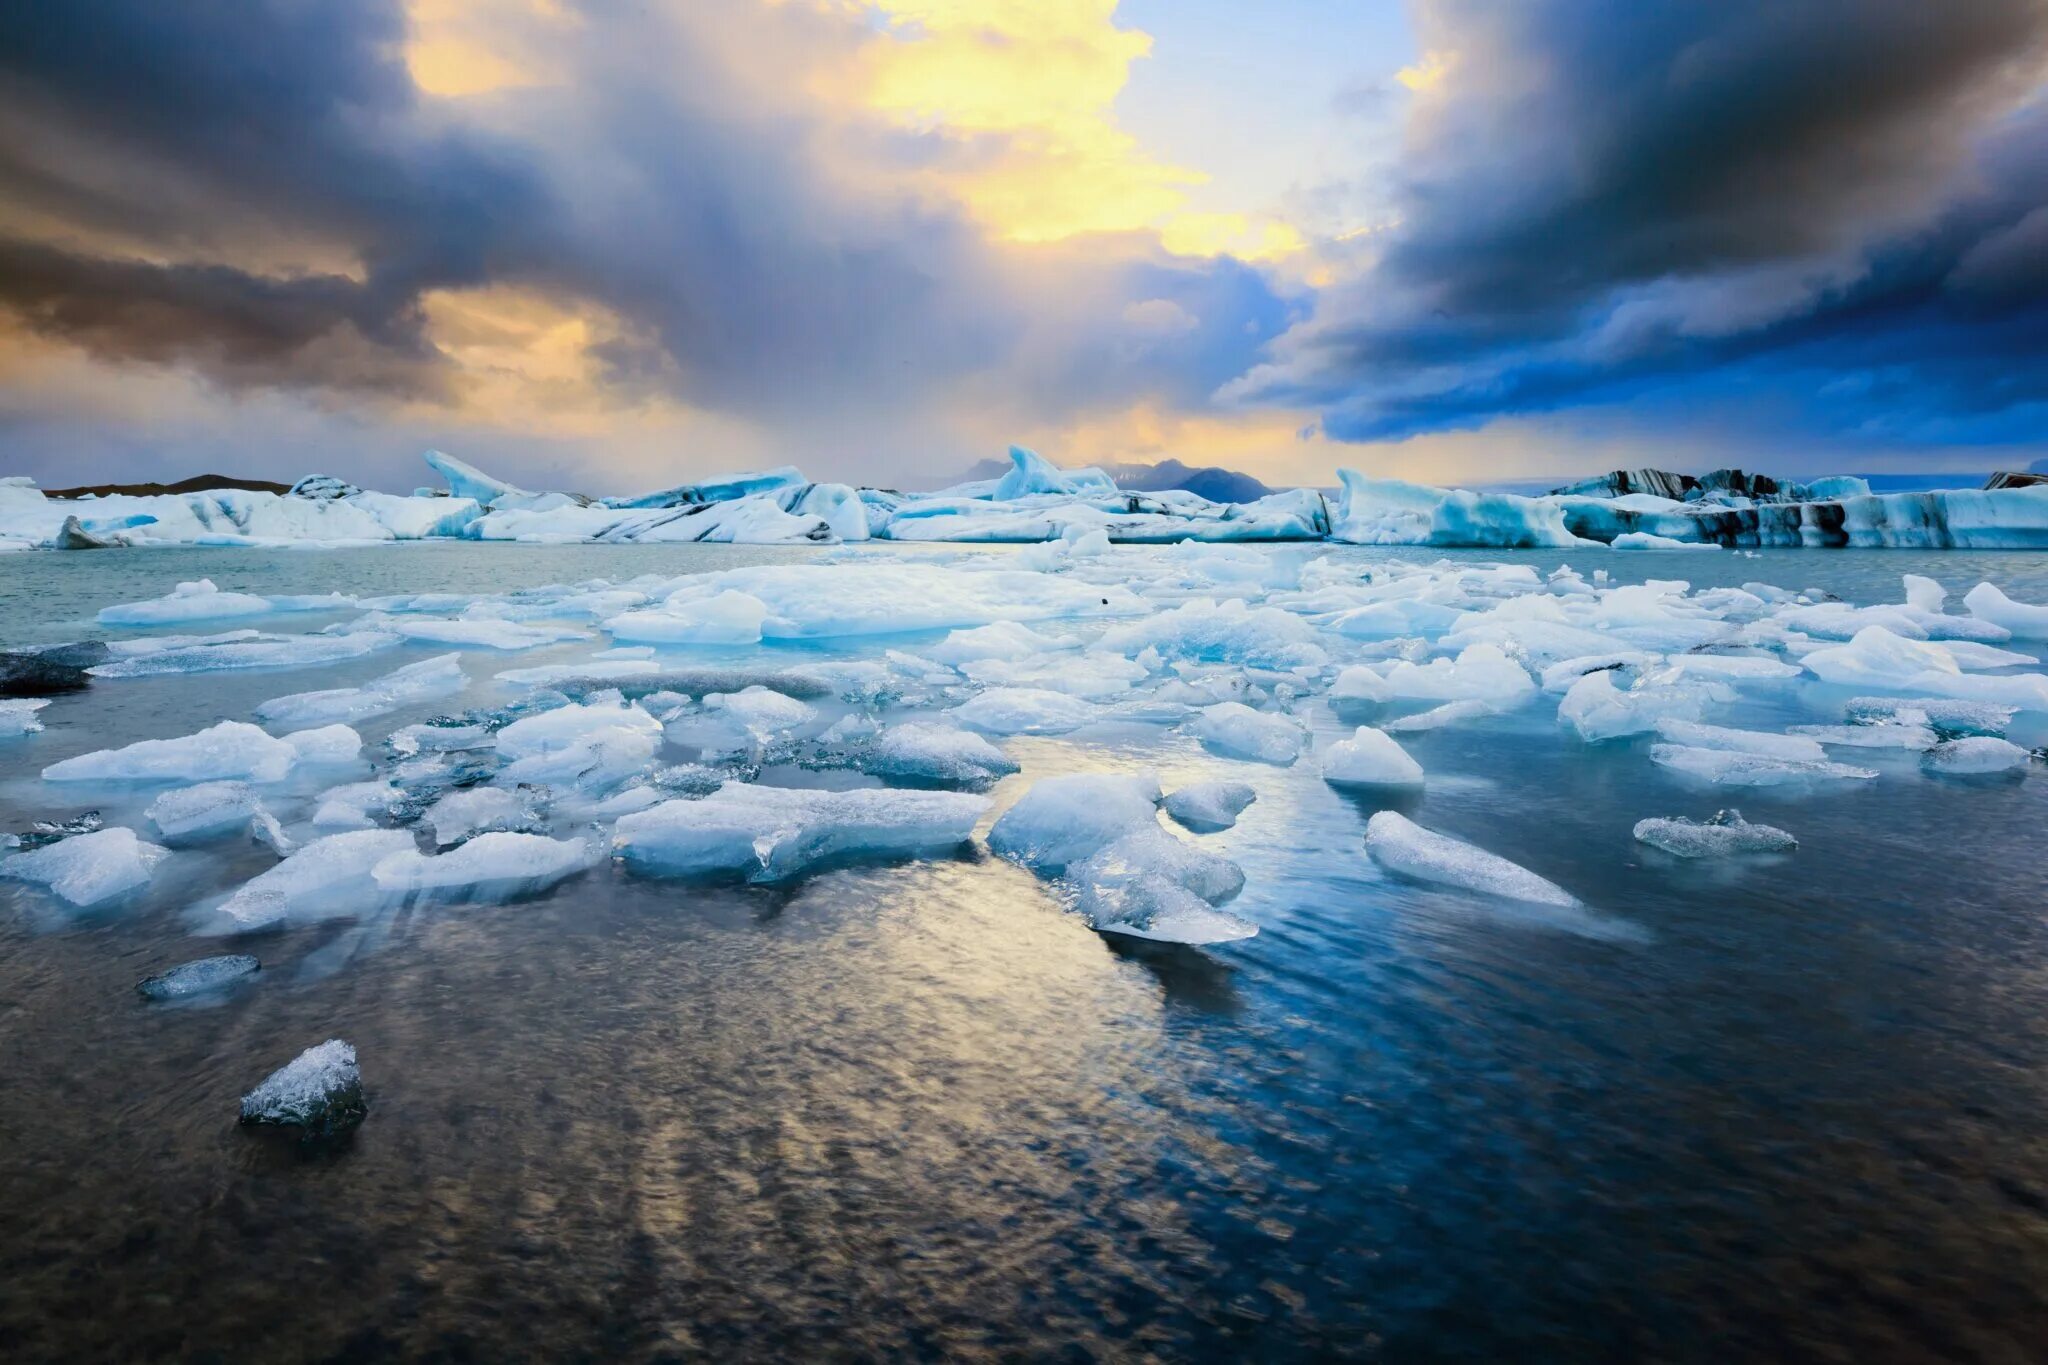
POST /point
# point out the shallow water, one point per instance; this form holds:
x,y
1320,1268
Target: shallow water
x,y
1793,1107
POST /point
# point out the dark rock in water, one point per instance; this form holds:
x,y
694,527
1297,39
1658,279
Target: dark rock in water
x,y
74,536
322,488
695,682
46,832
2006,478
191,978
319,1093
49,672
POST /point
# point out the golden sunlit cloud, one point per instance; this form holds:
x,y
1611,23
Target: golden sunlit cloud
x,y
458,48
1428,73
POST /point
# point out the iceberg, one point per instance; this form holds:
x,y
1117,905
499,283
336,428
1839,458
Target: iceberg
x,y
1400,845
1233,728
88,869
319,1093
1067,819
427,680
197,978
1206,807
1370,759
467,481
770,834
1727,833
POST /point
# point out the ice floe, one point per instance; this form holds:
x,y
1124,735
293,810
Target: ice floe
x,y
773,833
1209,806
1400,845
427,680
1370,759
1233,728
1726,833
87,869
231,749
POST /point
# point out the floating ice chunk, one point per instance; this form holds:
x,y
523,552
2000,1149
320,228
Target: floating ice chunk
x,y
1148,884
88,868
1949,718
1480,672
578,728
1645,540
997,640
447,735
475,632
1986,602
1209,806
1356,682
196,601
325,744
593,673
772,833
1400,845
1560,676
230,749
18,717
1798,748
1878,658
319,1092
1092,676
1370,759
196,978
1977,754
1924,594
1885,735
328,876
352,806
1599,710
494,866
730,618
246,650
266,831
441,676
937,753
1231,727
1450,713
1726,833
1063,820
1737,667
1025,711
823,601
762,712
207,809
1731,768
475,810
1225,632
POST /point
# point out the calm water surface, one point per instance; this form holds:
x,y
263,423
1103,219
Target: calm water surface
x,y
1790,1108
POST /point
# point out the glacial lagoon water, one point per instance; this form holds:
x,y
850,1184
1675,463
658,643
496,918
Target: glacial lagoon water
x,y
1787,1107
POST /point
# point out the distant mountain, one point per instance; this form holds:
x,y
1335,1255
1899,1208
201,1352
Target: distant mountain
x,y
1210,481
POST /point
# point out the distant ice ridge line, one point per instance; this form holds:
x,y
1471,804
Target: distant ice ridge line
x,y
1073,511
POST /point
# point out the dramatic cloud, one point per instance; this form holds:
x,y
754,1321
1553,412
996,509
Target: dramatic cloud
x,y
1832,204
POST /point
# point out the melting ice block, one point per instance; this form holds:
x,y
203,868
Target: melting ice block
x,y
1063,820
1025,711
1400,845
491,866
1977,754
441,676
1210,806
209,808
936,753
319,1092
328,876
1231,727
773,833
1370,759
196,978
1149,884
195,601
476,810
88,868
1733,768
1725,834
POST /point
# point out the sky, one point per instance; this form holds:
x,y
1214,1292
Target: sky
x,y
615,244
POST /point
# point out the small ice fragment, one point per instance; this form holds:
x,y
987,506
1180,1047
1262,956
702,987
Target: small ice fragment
x,y
352,805
1209,806
1726,833
50,831
1977,754
196,812
88,868
473,632
937,753
437,677
1734,769
1370,759
1400,845
192,978
1231,727
319,1092
491,866
265,830
1063,820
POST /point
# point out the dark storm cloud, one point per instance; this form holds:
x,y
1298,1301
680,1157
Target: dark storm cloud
x,y
1607,198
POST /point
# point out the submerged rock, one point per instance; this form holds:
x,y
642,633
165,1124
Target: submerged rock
x,y
193,978
319,1092
50,672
